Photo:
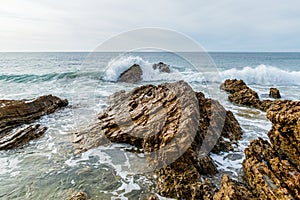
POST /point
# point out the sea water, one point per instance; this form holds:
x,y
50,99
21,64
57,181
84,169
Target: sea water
x,y
48,169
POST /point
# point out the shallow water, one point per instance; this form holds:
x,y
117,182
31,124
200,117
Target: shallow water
x,y
47,168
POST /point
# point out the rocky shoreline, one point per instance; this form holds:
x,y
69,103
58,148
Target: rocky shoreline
x,y
17,116
177,128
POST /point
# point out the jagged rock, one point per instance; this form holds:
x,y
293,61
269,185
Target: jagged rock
x,y
233,86
79,196
232,190
174,126
269,174
274,93
285,132
131,75
162,67
241,94
21,136
14,113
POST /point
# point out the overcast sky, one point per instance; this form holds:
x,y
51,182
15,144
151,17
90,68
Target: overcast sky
x,y
81,25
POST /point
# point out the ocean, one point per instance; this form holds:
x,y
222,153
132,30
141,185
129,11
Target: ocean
x,y
47,168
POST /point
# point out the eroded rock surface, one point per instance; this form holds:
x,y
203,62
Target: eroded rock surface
x,y
14,113
173,125
273,170
233,190
131,75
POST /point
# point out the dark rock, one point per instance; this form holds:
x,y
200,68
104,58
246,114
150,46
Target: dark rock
x,y
131,75
162,67
274,93
21,136
175,127
14,113
232,190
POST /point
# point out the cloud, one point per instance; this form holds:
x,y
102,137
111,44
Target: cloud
x,y
81,25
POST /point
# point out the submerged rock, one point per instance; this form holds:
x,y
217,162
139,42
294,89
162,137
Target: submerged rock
x,y
131,75
162,67
79,196
274,93
175,127
14,113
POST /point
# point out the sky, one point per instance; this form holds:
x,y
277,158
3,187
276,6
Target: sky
x,y
217,25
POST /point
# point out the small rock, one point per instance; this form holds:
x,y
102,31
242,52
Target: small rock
x,y
162,67
79,196
274,93
131,75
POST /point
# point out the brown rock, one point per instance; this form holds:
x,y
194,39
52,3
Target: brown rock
x,y
269,175
21,136
233,86
285,132
274,93
162,67
232,190
14,113
79,196
131,75
175,127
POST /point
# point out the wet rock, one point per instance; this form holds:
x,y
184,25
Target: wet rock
x,y
269,174
79,196
21,136
233,86
176,128
241,94
162,67
233,190
285,132
274,93
14,113
131,75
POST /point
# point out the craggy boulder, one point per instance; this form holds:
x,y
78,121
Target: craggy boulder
x,y
175,127
274,93
162,67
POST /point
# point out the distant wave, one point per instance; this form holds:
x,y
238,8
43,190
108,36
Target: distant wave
x,y
31,78
263,75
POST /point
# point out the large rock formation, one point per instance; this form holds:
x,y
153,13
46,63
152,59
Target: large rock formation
x,y
14,113
131,75
175,127
272,171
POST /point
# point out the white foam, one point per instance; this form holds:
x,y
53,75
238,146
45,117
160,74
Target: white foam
x,y
263,75
260,75
117,66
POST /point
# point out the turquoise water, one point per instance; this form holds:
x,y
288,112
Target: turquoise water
x,y
47,169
